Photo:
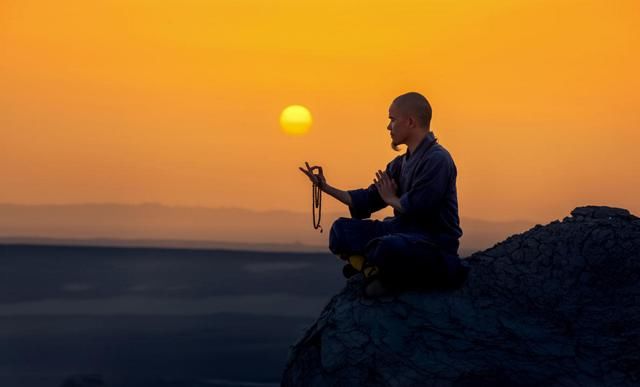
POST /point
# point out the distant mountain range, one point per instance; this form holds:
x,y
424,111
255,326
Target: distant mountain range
x,y
157,225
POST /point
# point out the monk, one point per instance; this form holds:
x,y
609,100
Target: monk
x,y
416,248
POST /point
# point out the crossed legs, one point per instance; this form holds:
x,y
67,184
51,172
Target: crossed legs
x,y
400,260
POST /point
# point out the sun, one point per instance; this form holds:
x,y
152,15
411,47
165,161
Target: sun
x,y
295,120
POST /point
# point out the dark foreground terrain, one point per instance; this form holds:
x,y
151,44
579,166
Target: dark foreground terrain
x,y
155,317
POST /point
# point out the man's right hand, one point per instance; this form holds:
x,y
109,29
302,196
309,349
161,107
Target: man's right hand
x,y
317,179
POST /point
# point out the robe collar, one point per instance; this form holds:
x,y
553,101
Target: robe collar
x,y
428,139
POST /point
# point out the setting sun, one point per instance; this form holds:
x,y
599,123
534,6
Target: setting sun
x,y
295,120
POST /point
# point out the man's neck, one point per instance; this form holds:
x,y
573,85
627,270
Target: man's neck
x,y
413,143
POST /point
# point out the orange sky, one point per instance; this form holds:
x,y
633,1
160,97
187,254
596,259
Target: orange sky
x,y
177,102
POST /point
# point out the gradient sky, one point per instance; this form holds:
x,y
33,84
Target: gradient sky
x,y
177,102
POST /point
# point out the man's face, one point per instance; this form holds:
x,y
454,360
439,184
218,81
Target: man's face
x,y
397,127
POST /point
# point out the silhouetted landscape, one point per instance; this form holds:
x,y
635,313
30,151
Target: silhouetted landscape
x,y
155,317
156,225
151,295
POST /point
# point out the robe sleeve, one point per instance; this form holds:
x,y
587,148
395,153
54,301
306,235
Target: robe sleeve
x,y
429,187
365,201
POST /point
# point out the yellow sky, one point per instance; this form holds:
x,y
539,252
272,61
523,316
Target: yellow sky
x,y
177,102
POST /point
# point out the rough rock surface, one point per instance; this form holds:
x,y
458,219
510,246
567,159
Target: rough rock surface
x,y
92,380
558,305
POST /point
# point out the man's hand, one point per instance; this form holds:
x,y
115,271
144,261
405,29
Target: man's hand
x,y
387,188
317,179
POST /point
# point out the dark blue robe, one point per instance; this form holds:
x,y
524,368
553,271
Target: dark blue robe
x,y
421,240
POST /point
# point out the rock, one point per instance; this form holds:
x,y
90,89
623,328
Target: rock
x,y
90,380
558,305
602,212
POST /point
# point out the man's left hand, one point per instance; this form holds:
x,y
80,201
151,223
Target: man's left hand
x,y
386,186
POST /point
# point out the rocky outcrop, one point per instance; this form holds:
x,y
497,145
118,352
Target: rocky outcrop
x,y
92,380
558,305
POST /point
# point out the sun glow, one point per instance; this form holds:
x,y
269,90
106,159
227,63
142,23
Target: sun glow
x,y
295,120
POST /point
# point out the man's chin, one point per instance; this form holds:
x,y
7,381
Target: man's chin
x,y
394,146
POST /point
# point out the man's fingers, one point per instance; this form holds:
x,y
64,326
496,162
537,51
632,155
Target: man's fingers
x,y
303,171
311,168
315,178
384,182
311,176
382,175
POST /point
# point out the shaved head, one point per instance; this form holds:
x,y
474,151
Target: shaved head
x,y
414,105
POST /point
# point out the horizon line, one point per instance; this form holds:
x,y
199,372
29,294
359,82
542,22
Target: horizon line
x,y
158,204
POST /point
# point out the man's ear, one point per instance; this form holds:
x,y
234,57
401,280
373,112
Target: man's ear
x,y
411,122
